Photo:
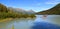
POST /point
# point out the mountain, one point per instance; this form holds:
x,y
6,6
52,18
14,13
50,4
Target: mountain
x,y
30,12
20,10
52,11
10,12
16,9
3,8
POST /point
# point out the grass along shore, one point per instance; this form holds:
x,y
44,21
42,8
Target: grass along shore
x,y
6,20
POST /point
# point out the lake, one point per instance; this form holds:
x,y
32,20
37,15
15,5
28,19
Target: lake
x,y
51,22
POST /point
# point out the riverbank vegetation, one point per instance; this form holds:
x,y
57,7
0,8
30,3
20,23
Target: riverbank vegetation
x,y
7,13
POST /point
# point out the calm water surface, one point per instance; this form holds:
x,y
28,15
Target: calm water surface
x,y
27,23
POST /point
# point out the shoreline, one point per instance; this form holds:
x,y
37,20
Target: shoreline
x,y
9,19
6,20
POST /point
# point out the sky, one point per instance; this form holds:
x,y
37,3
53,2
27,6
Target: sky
x,y
35,5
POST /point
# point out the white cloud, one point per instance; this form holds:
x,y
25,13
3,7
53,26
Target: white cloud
x,y
56,0
52,2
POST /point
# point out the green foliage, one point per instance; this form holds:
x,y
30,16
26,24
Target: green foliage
x,y
32,15
7,13
15,15
3,8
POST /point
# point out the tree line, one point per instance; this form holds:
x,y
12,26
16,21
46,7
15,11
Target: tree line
x,y
6,13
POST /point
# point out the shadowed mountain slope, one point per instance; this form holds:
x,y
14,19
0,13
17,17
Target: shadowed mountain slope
x,y
53,11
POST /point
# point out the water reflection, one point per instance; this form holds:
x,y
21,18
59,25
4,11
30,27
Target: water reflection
x,y
52,22
44,17
22,23
44,25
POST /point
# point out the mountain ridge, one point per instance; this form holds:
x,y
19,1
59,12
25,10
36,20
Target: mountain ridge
x,y
20,10
52,11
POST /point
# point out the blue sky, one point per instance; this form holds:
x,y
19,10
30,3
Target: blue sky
x,y
35,5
